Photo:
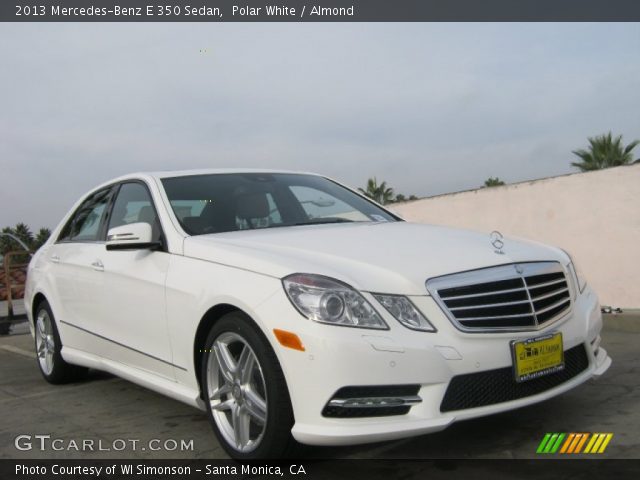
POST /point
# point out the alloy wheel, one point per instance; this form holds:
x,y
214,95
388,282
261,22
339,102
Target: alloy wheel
x,y
237,392
45,341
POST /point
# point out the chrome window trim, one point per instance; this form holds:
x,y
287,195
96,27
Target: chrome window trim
x,y
498,273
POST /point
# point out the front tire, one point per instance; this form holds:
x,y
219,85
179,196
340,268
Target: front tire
x,y
48,345
245,391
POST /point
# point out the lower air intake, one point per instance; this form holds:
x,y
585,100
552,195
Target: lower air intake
x,y
496,386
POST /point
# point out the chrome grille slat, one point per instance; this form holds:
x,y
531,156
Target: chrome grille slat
x,y
486,305
489,305
548,295
518,315
496,292
547,284
551,307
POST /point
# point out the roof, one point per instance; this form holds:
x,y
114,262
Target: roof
x,y
183,173
213,171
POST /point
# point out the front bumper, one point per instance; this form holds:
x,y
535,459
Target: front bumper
x,y
337,357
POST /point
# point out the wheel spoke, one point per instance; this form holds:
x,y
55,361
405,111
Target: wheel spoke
x,y
256,406
245,364
41,350
241,426
224,406
226,388
49,361
41,331
225,360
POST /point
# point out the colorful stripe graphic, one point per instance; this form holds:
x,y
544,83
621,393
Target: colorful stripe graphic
x,y
573,443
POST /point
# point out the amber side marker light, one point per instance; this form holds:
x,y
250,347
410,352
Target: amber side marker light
x,y
288,339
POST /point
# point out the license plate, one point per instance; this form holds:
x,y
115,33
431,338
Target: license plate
x,y
538,356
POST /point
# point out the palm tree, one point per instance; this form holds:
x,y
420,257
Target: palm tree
x,y
6,242
23,232
493,182
379,193
604,151
42,236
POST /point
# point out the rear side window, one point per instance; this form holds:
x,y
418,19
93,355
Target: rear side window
x,y
86,223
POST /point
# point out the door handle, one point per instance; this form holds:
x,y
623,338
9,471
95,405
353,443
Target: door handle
x,y
55,258
97,265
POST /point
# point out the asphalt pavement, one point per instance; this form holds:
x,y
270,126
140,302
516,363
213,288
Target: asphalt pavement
x,y
122,420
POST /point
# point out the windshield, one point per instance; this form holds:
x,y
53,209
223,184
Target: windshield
x,y
243,201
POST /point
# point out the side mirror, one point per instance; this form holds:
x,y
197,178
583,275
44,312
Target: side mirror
x,y
134,236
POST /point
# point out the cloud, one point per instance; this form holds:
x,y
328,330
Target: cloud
x,y
430,108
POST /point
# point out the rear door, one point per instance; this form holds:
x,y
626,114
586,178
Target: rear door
x,y
76,271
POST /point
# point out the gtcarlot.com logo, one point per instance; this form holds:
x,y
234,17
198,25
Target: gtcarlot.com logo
x,y
573,443
47,442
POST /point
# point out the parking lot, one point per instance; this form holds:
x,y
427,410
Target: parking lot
x,y
114,413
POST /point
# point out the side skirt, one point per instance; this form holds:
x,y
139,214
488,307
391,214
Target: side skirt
x,y
140,377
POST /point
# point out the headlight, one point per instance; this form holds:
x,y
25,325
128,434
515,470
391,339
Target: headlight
x,y
405,312
582,281
580,278
326,300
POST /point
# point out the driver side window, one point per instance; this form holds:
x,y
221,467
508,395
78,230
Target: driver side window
x,y
133,205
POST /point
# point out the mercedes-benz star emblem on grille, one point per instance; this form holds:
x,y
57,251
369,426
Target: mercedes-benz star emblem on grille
x,y
497,241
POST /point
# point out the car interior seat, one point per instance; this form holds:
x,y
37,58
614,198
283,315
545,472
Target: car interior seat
x,y
252,206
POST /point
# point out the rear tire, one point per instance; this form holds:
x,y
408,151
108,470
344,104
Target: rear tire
x,y
245,391
48,346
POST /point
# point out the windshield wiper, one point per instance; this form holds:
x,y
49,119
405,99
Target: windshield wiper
x,y
319,221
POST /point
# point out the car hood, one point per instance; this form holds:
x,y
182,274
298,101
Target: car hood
x,y
389,257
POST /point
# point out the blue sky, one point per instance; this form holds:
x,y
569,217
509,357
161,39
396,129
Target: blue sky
x,y
430,108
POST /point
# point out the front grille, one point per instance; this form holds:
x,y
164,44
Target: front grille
x,y
523,296
496,386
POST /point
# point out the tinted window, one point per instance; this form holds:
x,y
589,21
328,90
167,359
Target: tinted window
x,y
229,202
85,224
133,204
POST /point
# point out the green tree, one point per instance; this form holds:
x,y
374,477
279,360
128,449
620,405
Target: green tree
x,y
23,232
493,182
413,197
379,193
400,198
41,237
6,243
604,151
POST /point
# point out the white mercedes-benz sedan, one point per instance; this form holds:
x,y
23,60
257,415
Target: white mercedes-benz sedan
x,y
293,309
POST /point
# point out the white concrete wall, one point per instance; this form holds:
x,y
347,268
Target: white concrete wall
x,y
595,216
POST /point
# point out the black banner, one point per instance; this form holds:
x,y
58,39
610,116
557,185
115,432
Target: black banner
x,y
319,11
319,469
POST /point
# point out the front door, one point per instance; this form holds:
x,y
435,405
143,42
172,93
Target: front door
x,y
134,313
